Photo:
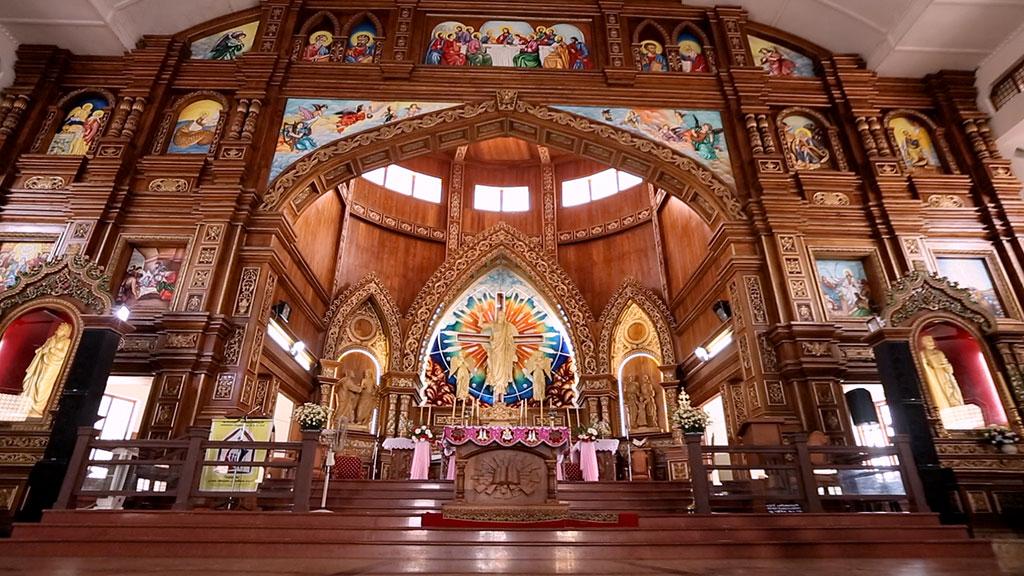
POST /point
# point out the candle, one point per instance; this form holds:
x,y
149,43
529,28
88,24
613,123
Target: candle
x,y
430,408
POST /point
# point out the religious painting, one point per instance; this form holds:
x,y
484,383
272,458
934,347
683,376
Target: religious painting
x,y
226,45
698,134
652,57
780,61
499,342
362,46
806,144
691,53
915,145
17,257
508,43
34,349
80,128
151,278
845,288
196,128
972,274
309,123
319,47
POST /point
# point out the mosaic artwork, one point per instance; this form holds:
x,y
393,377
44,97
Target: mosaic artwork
x,y
915,145
691,53
499,312
361,47
81,127
806,144
196,128
778,60
698,134
973,274
151,278
18,257
845,288
508,43
226,45
309,123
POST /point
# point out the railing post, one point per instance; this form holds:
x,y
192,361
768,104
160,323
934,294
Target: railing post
x,y
908,472
698,474
810,485
193,456
304,473
73,477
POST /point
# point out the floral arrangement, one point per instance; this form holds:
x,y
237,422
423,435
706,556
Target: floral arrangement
x,y
311,416
1000,435
587,434
422,433
689,419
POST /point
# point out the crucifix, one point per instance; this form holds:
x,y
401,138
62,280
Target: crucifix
x,y
501,346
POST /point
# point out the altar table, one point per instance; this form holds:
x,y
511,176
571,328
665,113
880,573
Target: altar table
x,y
587,454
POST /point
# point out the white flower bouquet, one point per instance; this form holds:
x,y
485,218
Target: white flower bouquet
x,y
311,416
689,419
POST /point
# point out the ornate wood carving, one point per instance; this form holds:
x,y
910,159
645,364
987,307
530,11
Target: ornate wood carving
x,y
74,277
920,292
631,291
369,289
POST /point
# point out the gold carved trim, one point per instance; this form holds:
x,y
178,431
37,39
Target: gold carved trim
x,y
370,289
631,291
75,277
920,292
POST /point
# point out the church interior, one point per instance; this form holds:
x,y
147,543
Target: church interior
x,y
454,287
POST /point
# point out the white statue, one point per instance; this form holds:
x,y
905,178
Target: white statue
x,y
938,373
463,372
347,394
44,370
501,356
538,366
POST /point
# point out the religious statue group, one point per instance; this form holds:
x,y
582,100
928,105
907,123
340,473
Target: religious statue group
x,y
641,398
355,398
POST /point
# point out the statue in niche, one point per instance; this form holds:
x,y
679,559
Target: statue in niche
x,y
44,370
501,355
347,394
367,398
631,390
650,400
538,366
938,372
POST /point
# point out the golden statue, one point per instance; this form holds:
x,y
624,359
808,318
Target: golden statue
x,y
538,366
346,393
501,355
463,373
938,373
367,398
43,372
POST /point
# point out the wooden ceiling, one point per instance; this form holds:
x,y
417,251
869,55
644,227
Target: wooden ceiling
x,y
506,150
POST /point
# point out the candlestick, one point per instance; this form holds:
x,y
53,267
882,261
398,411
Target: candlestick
x,y
430,408
455,404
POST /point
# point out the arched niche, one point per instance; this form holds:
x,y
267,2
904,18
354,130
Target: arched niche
x,y
364,317
690,50
809,140
919,143
362,39
354,401
635,320
651,47
318,39
641,398
75,123
193,124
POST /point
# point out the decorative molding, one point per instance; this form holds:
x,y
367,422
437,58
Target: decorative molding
x,y
607,228
919,292
830,199
368,214
368,290
182,340
75,277
168,185
630,292
945,201
45,183
246,290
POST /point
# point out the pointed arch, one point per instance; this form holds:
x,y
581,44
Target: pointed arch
x,y
659,29
936,132
318,18
632,292
360,17
338,161
706,45
500,242
370,289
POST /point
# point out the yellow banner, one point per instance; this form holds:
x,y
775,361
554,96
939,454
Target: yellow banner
x,y
236,477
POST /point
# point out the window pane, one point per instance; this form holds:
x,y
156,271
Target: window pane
x,y
487,198
399,179
515,199
376,176
427,188
575,192
627,180
603,184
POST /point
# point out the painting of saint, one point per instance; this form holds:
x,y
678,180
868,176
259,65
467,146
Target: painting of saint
x,y
915,145
780,61
806,144
973,275
151,278
698,134
226,45
361,49
196,128
845,290
81,127
18,257
691,53
310,123
319,47
652,57
507,43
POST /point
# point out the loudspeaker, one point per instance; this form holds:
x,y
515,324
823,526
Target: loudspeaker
x,y
281,310
862,408
722,310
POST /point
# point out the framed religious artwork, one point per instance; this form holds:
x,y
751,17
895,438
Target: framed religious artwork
x,y
978,271
850,282
226,44
918,143
778,60
21,252
151,272
510,43
82,115
195,130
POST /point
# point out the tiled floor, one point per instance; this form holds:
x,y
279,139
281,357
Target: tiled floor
x,y
379,566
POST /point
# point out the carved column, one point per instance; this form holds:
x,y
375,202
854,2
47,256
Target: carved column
x,y
549,204
456,192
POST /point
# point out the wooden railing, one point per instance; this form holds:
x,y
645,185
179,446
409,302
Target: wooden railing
x,y
805,478
168,473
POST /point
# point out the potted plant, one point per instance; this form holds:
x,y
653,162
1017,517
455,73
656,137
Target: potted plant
x,y
311,417
1004,439
422,433
689,419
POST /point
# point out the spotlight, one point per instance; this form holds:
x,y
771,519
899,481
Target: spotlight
x,y
297,348
722,310
702,354
123,313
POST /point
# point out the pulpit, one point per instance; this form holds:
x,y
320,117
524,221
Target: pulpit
x,y
506,473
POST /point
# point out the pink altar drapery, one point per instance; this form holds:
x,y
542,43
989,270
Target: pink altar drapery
x,y
420,469
588,461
